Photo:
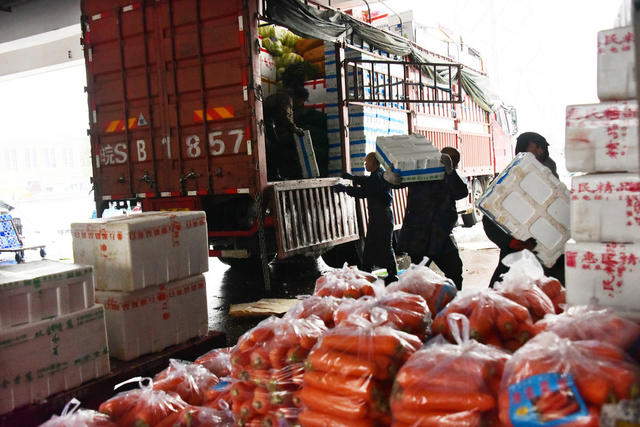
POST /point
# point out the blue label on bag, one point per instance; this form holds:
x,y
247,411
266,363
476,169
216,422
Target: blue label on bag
x,y
545,400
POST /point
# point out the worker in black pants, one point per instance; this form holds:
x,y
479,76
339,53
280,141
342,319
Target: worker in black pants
x,y
430,217
378,249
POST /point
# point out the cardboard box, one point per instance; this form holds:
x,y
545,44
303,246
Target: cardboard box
x,y
413,157
154,318
39,290
606,274
307,155
616,64
527,200
602,137
605,208
46,357
136,251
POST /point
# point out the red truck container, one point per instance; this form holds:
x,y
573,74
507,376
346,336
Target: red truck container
x,y
176,122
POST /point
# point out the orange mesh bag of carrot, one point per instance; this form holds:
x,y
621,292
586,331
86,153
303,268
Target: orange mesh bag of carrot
x,y
347,282
419,279
493,319
323,307
268,367
350,372
445,384
593,323
556,381
519,284
143,407
403,311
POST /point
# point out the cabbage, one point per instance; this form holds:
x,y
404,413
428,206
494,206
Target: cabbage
x,y
290,39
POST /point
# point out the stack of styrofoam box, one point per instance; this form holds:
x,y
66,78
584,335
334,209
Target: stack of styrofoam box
x,y
148,276
413,157
52,334
603,264
366,122
307,155
527,201
267,72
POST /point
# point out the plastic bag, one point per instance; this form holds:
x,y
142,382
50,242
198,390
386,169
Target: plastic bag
x,y
200,416
350,373
519,284
493,319
217,361
446,384
144,406
592,323
524,270
419,279
72,416
268,364
347,282
556,381
323,307
403,311
194,383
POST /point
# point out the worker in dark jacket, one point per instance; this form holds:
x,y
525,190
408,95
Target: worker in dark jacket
x,y
378,249
430,217
536,144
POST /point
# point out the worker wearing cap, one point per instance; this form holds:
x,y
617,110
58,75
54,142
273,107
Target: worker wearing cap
x,y
536,144
430,217
378,249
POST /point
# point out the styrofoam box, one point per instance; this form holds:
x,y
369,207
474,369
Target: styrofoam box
x,y
602,137
616,64
154,318
38,290
411,156
267,65
317,91
307,155
46,357
604,273
605,208
527,200
136,251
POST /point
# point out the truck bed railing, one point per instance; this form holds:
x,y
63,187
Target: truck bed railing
x,y
310,217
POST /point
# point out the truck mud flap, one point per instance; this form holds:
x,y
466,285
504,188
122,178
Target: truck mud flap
x,y
310,217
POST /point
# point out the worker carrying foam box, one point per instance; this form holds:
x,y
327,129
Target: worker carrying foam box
x,y
528,202
412,157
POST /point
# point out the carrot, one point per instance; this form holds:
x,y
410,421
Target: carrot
x,y
507,324
119,405
296,354
562,412
310,418
439,325
429,400
340,406
129,418
552,401
261,402
445,380
602,350
340,384
594,389
438,419
346,364
388,345
270,420
246,410
169,420
307,341
480,325
260,359
277,356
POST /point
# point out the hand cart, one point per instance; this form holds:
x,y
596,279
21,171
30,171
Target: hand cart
x,y
10,240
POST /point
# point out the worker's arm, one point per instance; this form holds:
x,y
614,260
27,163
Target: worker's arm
x,y
457,185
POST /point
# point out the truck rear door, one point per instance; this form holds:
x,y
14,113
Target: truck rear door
x,y
170,109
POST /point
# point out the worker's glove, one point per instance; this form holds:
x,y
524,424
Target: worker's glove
x,y
346,175
447,163
519,245
392,177
299,131
339,188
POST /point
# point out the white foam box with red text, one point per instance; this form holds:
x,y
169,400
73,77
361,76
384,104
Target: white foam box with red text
x,y
43,289
137,251
605,207
616,64
154,318
606,274
46,357
602,137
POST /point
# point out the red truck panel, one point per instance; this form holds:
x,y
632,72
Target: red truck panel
x,y
168,92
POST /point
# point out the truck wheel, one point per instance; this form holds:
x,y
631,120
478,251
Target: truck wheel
x,y
470,219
